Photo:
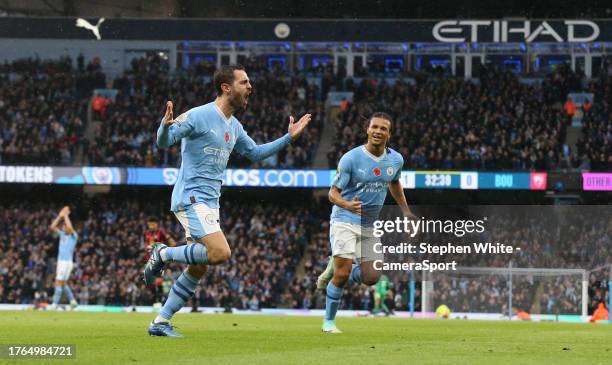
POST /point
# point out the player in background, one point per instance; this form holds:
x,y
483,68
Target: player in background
x,y
155,233
364,175
208,134
380,293
67,243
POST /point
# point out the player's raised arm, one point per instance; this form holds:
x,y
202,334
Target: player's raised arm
x,y
69,228
173,130
254,152
53,226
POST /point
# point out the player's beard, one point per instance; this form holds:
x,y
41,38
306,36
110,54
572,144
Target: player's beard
x,y
236,102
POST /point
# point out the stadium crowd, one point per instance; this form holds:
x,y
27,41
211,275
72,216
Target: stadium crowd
x,y
596,141
497,123
441,122
43,108
267,242
127,134
449,123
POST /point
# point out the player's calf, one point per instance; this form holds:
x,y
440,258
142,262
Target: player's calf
x,y
197,271
369,275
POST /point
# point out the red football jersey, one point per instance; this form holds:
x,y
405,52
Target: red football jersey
x,y
150,237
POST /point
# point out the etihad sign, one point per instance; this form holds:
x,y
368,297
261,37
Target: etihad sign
x,y
453,31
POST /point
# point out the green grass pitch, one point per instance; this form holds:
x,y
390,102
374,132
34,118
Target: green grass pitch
x,y
121,338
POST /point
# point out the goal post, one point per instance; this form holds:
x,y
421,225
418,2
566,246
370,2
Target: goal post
x,y
507,290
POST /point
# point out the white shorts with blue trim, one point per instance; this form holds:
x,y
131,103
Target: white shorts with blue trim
x,y
351,241
64,268
199,220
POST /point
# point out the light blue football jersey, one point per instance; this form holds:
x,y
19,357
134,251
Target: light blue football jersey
x,y
207,140
361,174
67,244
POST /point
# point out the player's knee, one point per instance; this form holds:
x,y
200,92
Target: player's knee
x,y
219,255
341,276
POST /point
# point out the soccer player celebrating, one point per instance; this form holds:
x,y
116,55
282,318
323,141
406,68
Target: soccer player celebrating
x,y
67,242
364,174
208,134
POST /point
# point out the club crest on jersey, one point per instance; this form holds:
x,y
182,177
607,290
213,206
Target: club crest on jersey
x,y
376,171
390,171
227,137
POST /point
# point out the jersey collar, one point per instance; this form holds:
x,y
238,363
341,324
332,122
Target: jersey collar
x,y
226,120
377,159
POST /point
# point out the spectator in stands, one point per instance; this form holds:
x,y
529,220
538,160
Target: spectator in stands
x,y
570,107
587,105
99,105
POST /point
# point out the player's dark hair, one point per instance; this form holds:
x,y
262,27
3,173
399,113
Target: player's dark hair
x,y
385,116
225,75
152,219
381,115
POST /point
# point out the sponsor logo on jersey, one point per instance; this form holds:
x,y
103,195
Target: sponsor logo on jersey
x,y
223,153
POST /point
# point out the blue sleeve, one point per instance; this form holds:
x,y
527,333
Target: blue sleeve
x,y
183,126
343,175
400,163
254,152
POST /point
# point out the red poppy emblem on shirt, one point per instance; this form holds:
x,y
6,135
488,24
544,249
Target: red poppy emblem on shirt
x,y
226,137
376,171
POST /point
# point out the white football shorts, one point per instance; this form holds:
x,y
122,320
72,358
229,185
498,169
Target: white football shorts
x,y
63,270
199,220
350,241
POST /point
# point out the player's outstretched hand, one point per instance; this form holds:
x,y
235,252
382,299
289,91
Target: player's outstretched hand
x,y
168,119
295,129
355,206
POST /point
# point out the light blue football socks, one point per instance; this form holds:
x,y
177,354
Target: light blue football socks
x,y
193,254
181,291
